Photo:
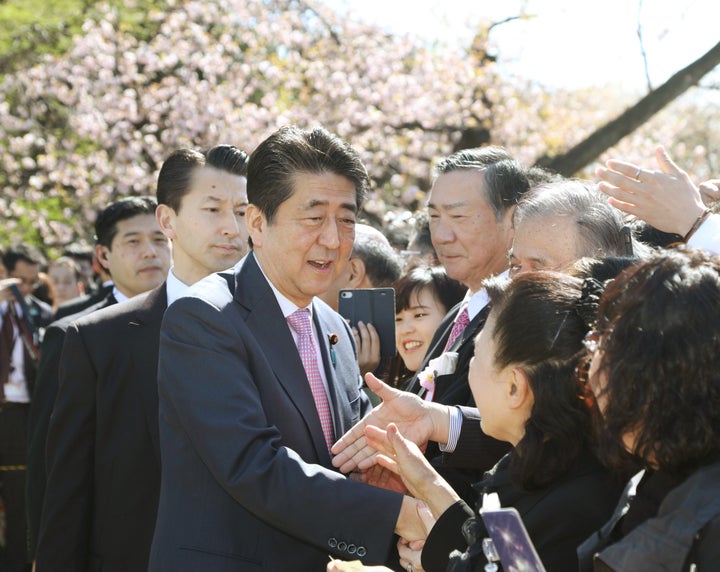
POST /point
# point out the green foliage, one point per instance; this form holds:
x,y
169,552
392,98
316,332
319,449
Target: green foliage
x,y
52,210
30,29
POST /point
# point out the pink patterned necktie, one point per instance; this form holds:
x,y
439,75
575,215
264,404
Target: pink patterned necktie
x,y
300,322
459,326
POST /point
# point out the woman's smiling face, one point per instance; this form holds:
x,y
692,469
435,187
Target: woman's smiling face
x,y
416,325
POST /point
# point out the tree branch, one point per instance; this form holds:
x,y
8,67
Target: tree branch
x,y
643,53
609,134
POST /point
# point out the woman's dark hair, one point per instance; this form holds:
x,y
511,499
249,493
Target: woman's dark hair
x,y
661,361
602,269
538,328
445,290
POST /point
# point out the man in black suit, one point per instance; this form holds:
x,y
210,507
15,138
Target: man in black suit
x,y
22,321
470,205
102,449
257,376
555,225
113,226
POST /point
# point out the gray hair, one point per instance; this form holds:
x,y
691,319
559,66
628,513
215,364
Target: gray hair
x,y
600,226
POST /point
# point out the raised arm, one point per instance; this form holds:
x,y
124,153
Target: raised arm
x,y
666,199
420,421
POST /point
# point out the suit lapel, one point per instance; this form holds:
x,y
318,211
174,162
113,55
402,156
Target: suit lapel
x,y
340,407
272,333
144,325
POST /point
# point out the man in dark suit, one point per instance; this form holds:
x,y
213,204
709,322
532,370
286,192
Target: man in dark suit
x,y
112,227
103,455
257,376
555,225
22,321
471,204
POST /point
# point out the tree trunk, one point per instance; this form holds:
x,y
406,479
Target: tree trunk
x,y
609,134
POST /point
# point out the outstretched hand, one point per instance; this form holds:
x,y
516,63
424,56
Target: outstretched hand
x,y
420,421
666,199
405,459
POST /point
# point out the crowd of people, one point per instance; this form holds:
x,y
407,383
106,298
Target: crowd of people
x,y
185,396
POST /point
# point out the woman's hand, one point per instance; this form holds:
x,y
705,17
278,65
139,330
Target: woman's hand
x,y
404,458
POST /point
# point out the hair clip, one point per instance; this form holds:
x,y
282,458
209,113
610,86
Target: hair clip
x,y
333,339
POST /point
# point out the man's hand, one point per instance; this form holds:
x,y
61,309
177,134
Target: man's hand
x,y
409,523
420,421
666,199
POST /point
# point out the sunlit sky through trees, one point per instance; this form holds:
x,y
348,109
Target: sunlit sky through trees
x,y
565,43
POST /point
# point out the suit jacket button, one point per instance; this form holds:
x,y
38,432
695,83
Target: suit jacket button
x,y
361,551
342,546
332,543
351,549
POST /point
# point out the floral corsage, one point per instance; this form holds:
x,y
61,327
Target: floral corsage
x,y
444,364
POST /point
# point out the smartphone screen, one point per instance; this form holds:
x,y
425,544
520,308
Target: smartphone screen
x,y
511,540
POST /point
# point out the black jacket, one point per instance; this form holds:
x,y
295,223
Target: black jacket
x,y
685,531
557,517
454,389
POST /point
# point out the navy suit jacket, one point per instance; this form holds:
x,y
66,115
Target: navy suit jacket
x,y
247,482
103,456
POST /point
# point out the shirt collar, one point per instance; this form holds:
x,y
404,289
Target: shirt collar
x,y
286,306
119,296
478,300
174,287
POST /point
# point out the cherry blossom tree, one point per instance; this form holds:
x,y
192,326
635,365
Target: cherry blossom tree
x,y
93,124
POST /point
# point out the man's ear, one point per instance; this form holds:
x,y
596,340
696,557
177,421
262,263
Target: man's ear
x,y
507,223
101,253
165,217
356,273
519,393
256,223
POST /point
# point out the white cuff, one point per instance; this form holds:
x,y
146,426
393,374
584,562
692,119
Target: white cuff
x,y
707,237
456,420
